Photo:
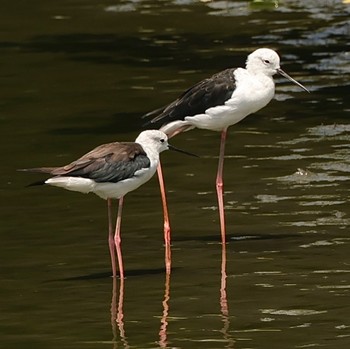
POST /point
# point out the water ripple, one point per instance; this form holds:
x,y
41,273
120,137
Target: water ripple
x,y
293,312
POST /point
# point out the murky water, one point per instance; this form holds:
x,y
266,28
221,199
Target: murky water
x,y
75,74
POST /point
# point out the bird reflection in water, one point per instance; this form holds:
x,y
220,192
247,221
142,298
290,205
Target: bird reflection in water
x,y
163,339
117,313
223,301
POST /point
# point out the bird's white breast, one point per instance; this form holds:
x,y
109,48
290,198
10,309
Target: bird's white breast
x,y
253,91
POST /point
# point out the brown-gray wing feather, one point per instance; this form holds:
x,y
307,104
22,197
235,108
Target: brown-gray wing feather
x,y
110,162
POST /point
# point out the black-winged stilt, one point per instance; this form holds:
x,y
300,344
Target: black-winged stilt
x,y
218,102
111,171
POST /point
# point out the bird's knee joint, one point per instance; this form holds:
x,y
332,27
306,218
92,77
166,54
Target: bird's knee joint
x,y
219,185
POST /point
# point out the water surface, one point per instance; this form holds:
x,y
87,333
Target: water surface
x,y
76,74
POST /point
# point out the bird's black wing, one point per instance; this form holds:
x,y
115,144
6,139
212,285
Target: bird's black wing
x,y
208,93
112,162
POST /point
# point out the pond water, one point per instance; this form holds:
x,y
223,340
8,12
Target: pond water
x,y
76,74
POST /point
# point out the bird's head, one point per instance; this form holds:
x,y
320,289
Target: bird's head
x,y
263,60
157,141
267,61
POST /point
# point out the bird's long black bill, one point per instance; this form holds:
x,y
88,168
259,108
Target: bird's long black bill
x,y
171,147
283,73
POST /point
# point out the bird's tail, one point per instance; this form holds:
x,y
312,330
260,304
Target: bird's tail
x,y
35,184
48,170
155,118
153,114
173,128
39,170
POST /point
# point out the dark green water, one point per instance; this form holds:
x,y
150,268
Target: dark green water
x,y
76,74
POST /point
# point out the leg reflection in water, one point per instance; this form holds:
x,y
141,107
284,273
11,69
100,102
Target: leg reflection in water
x,y
163,339
223,301
117,316
117,313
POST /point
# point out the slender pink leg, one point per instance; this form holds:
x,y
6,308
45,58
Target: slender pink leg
x,y
111,238
167,258
165,206
220,185
117,238
167,237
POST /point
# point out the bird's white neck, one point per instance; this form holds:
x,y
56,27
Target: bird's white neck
x,y
152,154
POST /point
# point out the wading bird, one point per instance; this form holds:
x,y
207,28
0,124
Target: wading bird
x,y
111,171
218,102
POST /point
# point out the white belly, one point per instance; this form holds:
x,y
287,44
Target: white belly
x,y
103,190
117,190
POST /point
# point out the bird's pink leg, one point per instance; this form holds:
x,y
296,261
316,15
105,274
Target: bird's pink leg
x,y
165,205
117,238
167,258
220,186
111,237
167,235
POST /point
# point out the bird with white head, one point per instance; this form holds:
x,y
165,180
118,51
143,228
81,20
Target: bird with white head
x,y
111,171
218,102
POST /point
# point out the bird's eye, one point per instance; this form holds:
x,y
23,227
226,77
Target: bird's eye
x,y
162,140
266,61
